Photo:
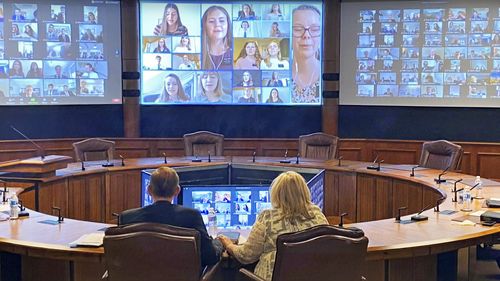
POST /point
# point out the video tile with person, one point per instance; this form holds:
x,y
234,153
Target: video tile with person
x,y
24,12
91,87
57,13
58,50
91,51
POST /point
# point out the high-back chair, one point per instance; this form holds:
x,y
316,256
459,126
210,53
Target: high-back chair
x,y
318,146
441,154
153,252
323,252
94,149
202,143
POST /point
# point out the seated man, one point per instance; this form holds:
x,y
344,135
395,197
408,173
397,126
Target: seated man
x,y
164,186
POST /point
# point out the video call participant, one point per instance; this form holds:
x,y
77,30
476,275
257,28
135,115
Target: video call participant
x,y
274,96
90,72
91,18
275,13
58,73
172,90
35,71
246,13
161,47
210,84
17,70
248,96
184,45
245,30
292,211
275,81
171,23
273,58
306,30
163,188
275,30
216,39
28,92
249,57
247,80
67,92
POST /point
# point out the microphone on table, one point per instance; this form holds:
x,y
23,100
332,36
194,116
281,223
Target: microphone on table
x,y
40,150
164,157
285,160
22,210
455,191
253,156
341,223
209,157
398,217
196,159
340,160
373,167
420,217
4,191
438,180
108,164
123,160
413,170
60,218
297,159
83,166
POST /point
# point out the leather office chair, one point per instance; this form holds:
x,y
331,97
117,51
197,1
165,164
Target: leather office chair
x,y
318,146
94,149
323,252
202,142
441,154
154,252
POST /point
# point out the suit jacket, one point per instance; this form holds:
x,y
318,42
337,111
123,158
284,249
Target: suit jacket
x,y
168,213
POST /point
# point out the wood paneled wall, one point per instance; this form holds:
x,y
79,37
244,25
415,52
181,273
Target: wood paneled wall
x,y
479,158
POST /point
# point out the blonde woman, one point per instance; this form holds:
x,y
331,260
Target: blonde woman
x,y
273,58
210,85
173,91
249,57
291,211
216,39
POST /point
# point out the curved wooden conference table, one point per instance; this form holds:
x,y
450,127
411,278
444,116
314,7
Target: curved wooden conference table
x,y
415,251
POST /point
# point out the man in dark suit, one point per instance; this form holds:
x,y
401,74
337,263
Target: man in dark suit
x,y
163,187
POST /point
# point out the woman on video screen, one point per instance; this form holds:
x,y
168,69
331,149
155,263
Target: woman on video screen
x,y
171,23
216,39
274,96
210,85
306,30
249,57
273,58
161,47
172,90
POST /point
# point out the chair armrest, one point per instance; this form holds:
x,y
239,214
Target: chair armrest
x,y
210,272
248,275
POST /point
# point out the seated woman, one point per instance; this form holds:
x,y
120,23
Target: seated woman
x,y
291,211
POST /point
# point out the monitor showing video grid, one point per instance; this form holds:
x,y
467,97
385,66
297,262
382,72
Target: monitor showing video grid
x,y
416,53
60,52
265,53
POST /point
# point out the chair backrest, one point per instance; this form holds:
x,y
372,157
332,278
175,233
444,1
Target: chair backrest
x,y
318,146
324,252
94,149
153,252
441,154
202,142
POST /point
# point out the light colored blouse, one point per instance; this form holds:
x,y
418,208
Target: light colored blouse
x,y
261,243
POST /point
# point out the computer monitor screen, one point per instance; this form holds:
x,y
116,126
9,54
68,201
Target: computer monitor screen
x,y
229,52
64,52
420,53
235,206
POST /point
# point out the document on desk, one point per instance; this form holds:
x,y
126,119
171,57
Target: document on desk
x,y
89,240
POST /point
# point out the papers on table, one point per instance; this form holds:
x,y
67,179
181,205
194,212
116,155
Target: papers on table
x,y
89,240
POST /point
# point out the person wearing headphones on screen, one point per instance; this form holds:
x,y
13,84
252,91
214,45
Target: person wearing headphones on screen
x,y
171,23
216,39
306,31
172,91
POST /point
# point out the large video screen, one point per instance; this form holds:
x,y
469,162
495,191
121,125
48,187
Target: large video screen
x,y
60,52
421,53
266,53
